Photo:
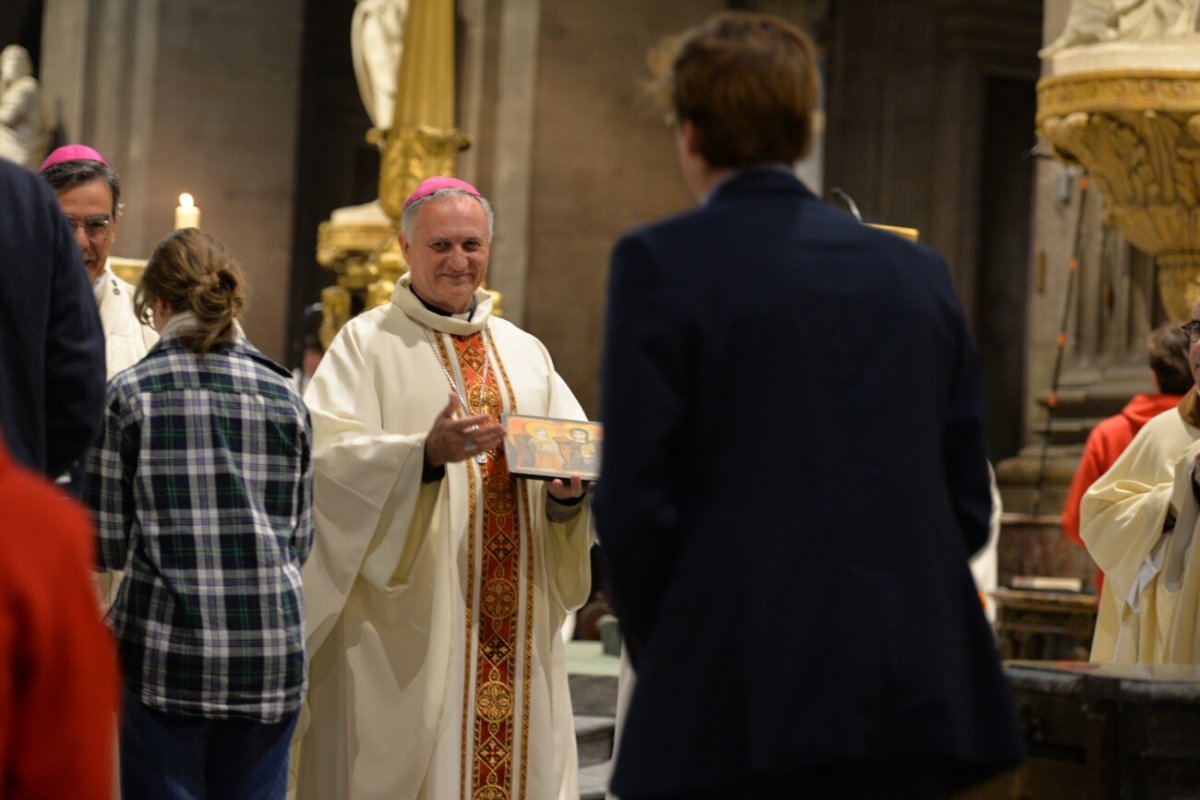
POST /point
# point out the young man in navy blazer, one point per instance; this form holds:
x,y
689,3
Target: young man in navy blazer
x,y
794,471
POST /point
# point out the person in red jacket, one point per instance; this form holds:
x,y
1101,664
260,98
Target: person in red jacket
x,y
58,665
1167,348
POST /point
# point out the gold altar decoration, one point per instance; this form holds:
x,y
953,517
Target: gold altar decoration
x,y
421,143
335,312
127,269
1137,131
412,154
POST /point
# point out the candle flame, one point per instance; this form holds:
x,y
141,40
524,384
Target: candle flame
x,y
185,201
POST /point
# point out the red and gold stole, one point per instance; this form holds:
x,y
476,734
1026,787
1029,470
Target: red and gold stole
x,y
497,686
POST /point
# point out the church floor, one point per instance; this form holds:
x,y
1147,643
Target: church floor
x,y
593,682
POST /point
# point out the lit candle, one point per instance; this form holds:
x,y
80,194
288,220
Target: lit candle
x,y
187,215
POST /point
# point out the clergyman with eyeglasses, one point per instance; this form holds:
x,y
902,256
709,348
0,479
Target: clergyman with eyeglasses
x,y
1137,522
89,193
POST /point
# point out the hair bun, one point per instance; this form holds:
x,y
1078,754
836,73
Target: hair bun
x,y
227,281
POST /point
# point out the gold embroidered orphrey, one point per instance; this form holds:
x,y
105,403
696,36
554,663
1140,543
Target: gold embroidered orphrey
x,y
496,680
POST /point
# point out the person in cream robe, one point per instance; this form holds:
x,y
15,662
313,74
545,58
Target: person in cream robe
x,y
438,585
1138,521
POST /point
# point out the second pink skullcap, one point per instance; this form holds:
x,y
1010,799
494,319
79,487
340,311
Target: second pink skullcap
x,y
431,185
71,152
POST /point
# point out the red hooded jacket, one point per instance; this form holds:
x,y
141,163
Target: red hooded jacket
x,y
58,665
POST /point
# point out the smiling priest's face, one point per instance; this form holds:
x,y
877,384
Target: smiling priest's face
x,y
448,252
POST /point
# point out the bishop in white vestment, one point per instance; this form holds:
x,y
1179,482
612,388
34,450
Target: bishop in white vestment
x,y
438,582
89,193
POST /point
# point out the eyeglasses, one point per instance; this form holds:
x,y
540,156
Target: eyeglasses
x,y
1192,329
94,228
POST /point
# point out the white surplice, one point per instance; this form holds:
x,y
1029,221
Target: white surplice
x,y
126,342
1148,605
393,588
126,338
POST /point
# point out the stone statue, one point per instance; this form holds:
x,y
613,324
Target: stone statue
x,y
23,134
376,41
1154,19
1095,21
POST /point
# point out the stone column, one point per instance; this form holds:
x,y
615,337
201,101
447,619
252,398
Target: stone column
x,y
515,104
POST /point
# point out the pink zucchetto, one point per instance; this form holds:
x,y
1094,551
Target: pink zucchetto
x,y
71,152
431,185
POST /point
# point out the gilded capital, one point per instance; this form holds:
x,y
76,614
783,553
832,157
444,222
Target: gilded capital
x,y
1138,134
412,154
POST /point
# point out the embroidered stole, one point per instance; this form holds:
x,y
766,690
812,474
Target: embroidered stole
x,y
494,641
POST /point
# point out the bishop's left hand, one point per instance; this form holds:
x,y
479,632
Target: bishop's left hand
x,y
567,491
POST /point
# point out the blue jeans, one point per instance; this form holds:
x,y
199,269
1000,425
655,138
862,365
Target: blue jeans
x,y
176,757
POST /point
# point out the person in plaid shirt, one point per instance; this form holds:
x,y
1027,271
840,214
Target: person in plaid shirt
x,y
201,485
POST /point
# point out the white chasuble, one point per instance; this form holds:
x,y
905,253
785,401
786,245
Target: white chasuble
x,y
1148,605
433,609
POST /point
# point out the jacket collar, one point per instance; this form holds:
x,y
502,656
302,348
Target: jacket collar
x,y
756,179
169,342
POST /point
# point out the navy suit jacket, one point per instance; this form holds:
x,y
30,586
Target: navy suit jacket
x,y
794,478
51,343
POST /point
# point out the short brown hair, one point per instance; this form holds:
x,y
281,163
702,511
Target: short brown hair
x,y
1167,346
193,271
749,84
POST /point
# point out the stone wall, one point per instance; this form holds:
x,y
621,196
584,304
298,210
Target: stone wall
x,y
572,153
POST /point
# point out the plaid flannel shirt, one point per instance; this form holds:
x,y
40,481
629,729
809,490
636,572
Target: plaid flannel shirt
x,y
201,485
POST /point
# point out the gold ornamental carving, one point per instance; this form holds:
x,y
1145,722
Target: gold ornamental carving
x,y
1138,134
412,155
335,312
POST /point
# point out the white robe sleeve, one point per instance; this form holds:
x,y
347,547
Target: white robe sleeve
x,y
357,468
1121,522
567,545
